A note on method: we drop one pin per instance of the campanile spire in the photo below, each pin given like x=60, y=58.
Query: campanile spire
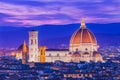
x=24, y=53
x=24, y=47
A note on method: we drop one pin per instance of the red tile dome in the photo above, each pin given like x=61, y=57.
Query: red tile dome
x=83, y=35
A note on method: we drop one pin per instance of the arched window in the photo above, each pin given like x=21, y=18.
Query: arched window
x=35, y=41
x=58, y=55
x=76, y=49
x=31, y=56
x=31, y=41
x=86, y=49
x=49, y=54
x=65, y=54
x=41, y=52
x=31, y=49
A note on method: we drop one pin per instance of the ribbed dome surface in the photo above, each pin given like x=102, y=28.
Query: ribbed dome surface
x=83, y=35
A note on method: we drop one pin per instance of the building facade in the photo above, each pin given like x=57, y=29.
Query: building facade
x=83, y=47
x=33, y=46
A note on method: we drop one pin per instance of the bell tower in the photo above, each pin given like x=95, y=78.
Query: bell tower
x=33, y=46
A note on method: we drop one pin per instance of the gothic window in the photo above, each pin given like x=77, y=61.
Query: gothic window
x=36, y=56
x=65, y=54
x=31, y=49
x=86, y=49
x=35, y=41
x=76, y=49
x=31, y=41
x=31, y=56
x=49, y=54
x=58, y=55
x=35, y=49
x=41, y=52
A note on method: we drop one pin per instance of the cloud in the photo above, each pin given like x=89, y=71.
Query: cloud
x=40, y=12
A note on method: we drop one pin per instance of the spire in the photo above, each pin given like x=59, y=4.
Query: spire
x=83, y=23
x=24, y=47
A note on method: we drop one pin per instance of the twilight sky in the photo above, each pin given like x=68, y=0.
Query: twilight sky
x=27, y=13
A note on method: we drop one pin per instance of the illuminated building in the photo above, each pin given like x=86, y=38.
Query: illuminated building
x=20, y=51
x=24, y=53
x=33, y=47
x=57, y=54
x=83, y=47
x=83, y=40
x=17, y=56
x=42, y=54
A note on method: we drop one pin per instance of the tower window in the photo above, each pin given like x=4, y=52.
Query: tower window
x=41, y=52
x=31, y=56
x=58, y=55
x=65, y=54
x=49, y=54
x=35, y=41
x=31, y=41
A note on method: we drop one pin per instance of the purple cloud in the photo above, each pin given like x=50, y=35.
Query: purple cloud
x=40, y=12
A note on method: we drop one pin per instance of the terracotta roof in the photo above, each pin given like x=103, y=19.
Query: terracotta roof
x=83, y=35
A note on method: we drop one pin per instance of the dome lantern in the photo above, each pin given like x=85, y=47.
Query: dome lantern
x=83, y=24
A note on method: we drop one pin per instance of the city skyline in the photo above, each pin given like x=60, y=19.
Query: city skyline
x=59, y=40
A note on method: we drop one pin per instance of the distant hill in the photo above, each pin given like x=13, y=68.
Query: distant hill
x=58, y=36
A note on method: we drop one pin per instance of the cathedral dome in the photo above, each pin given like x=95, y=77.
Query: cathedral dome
x=83, y=35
